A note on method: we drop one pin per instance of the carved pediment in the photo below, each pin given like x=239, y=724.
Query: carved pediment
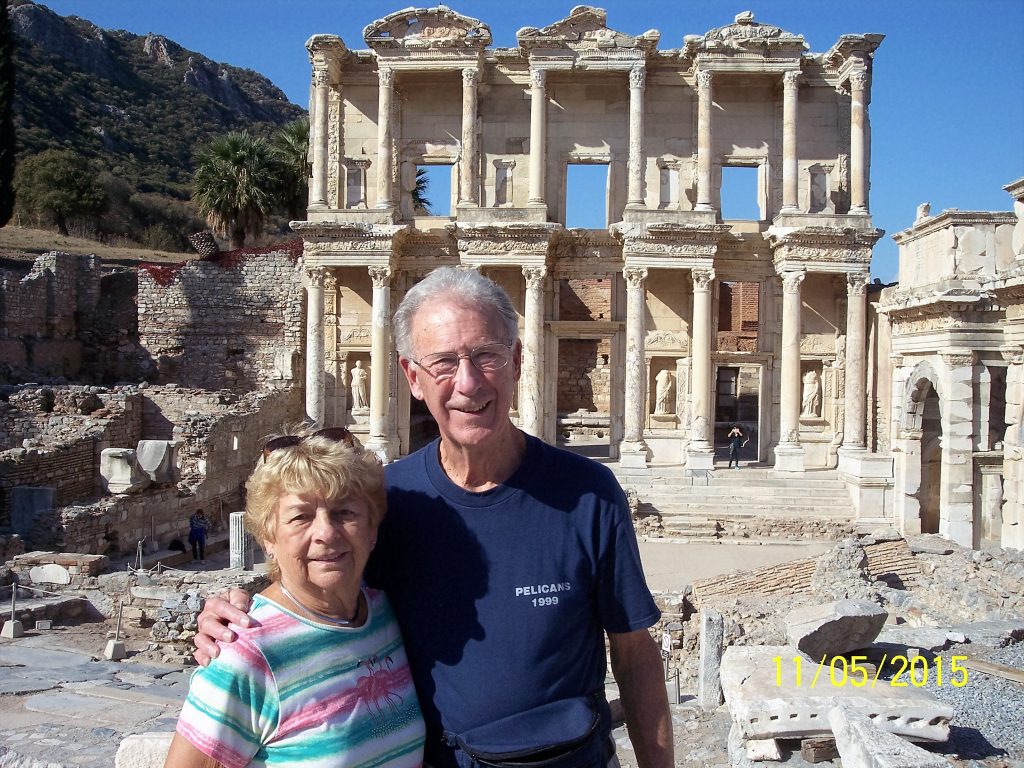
x=585, y=29
x=748, y=36
x=425, y=28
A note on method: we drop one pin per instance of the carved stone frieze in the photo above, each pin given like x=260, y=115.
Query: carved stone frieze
x=585, y=30
x=843, y=245
x=354, y=333
x=665, y=340
x=958, y=360
x=421, y=29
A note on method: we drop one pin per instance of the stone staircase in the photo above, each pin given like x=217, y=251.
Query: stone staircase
x=751, y=501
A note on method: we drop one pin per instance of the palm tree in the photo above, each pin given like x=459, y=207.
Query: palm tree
x=234, y=184
x=420, y=202
x=290, y=147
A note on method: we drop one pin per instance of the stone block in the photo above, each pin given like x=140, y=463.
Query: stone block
x=834, y=628
x=158, y=460
x=770, y=696
x=143, y=750
x=51, y=573
x=119, y=471
x=709, y=685
x=863, y=744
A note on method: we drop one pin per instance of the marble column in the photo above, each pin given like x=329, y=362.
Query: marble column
x=315, y=345
x=790, y=177
x=469, y=184
x=240, y=543
x=633, y=450
x=637, y=76
x=859, y=141
x=380, y=363
x=854, y=420
x=789, y=454
x=531, y=409
x=318, y=139
x=704, y=142
x=700, y=452
x=538, y=136
x=385, y=171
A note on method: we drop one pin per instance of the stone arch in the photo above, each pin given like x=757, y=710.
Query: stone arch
x=923, y=379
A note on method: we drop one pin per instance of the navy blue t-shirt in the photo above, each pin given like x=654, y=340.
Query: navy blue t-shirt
x=503, y=596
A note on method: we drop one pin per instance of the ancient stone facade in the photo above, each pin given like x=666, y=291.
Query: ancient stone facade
x=953, y=330
x=645, y=361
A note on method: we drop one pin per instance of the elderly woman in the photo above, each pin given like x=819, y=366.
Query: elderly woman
x=322, y=678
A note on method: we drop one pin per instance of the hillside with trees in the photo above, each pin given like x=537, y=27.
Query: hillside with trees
x=137, y=110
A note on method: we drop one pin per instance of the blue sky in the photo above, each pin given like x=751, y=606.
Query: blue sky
x=947, y=109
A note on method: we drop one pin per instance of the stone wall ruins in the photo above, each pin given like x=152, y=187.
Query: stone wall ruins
x=236, y=323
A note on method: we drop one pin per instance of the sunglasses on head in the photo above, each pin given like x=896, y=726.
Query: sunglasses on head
x=334, y=434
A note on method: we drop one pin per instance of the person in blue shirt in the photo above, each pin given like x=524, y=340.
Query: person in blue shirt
x=197, y=527
x=507, y=560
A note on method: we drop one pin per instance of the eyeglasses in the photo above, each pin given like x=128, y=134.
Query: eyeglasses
x=486, y=359
x=334, y=434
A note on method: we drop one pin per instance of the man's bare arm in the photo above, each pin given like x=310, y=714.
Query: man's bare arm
x=230, y=606
x=636, y=664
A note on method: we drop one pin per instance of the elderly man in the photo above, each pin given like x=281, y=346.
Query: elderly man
x=506, y=559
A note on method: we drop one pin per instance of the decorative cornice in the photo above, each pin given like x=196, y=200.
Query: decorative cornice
x=585, y=32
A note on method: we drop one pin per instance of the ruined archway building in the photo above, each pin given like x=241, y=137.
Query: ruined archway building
x=656, y=332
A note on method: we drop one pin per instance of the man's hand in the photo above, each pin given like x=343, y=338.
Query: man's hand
x=230, y=606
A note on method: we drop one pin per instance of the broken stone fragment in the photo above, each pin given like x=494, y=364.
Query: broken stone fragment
x=863, y=744
x=825, y=631
x=771, y=694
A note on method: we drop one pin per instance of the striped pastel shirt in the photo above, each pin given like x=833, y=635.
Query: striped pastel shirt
x=297, y=693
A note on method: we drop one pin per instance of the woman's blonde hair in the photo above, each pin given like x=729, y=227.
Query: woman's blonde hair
x=314, y=465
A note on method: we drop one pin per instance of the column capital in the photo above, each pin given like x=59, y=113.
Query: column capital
x=534, y=276
x=635, y=276
x=856, y=283
x=470, y=75
x=791, y=79
x=538, y=77
x=859, y=79
x=959, y=360
x=381, y=276
x=315, y=277
x=321, y=77
x=791, y=281
x=386, y=75
x=637, y=75
x=704, y=78
x=702, y=278
x=330, y=282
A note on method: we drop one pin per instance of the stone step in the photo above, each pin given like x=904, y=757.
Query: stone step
x=749, y=512
x=741, y=501
x=747, y=492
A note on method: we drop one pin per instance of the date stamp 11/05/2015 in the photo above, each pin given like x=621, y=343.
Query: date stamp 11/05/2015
x=856, y=672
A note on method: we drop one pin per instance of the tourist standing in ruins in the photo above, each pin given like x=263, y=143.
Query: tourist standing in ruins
x=197, y=527
x=736, y=441
x=507, y=559
x=320, y=677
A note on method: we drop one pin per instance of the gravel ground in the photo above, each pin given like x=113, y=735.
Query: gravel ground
x=989, y=710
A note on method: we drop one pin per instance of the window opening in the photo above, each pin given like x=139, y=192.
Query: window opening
x=740, y=194
x=433, y=193
x=586, y=196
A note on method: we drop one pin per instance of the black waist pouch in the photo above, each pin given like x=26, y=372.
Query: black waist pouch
x=560, y=734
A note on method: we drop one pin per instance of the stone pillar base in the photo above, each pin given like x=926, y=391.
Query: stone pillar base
x=386, y=451
x=633, y=454
x=699, y=457
x=789, y=457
